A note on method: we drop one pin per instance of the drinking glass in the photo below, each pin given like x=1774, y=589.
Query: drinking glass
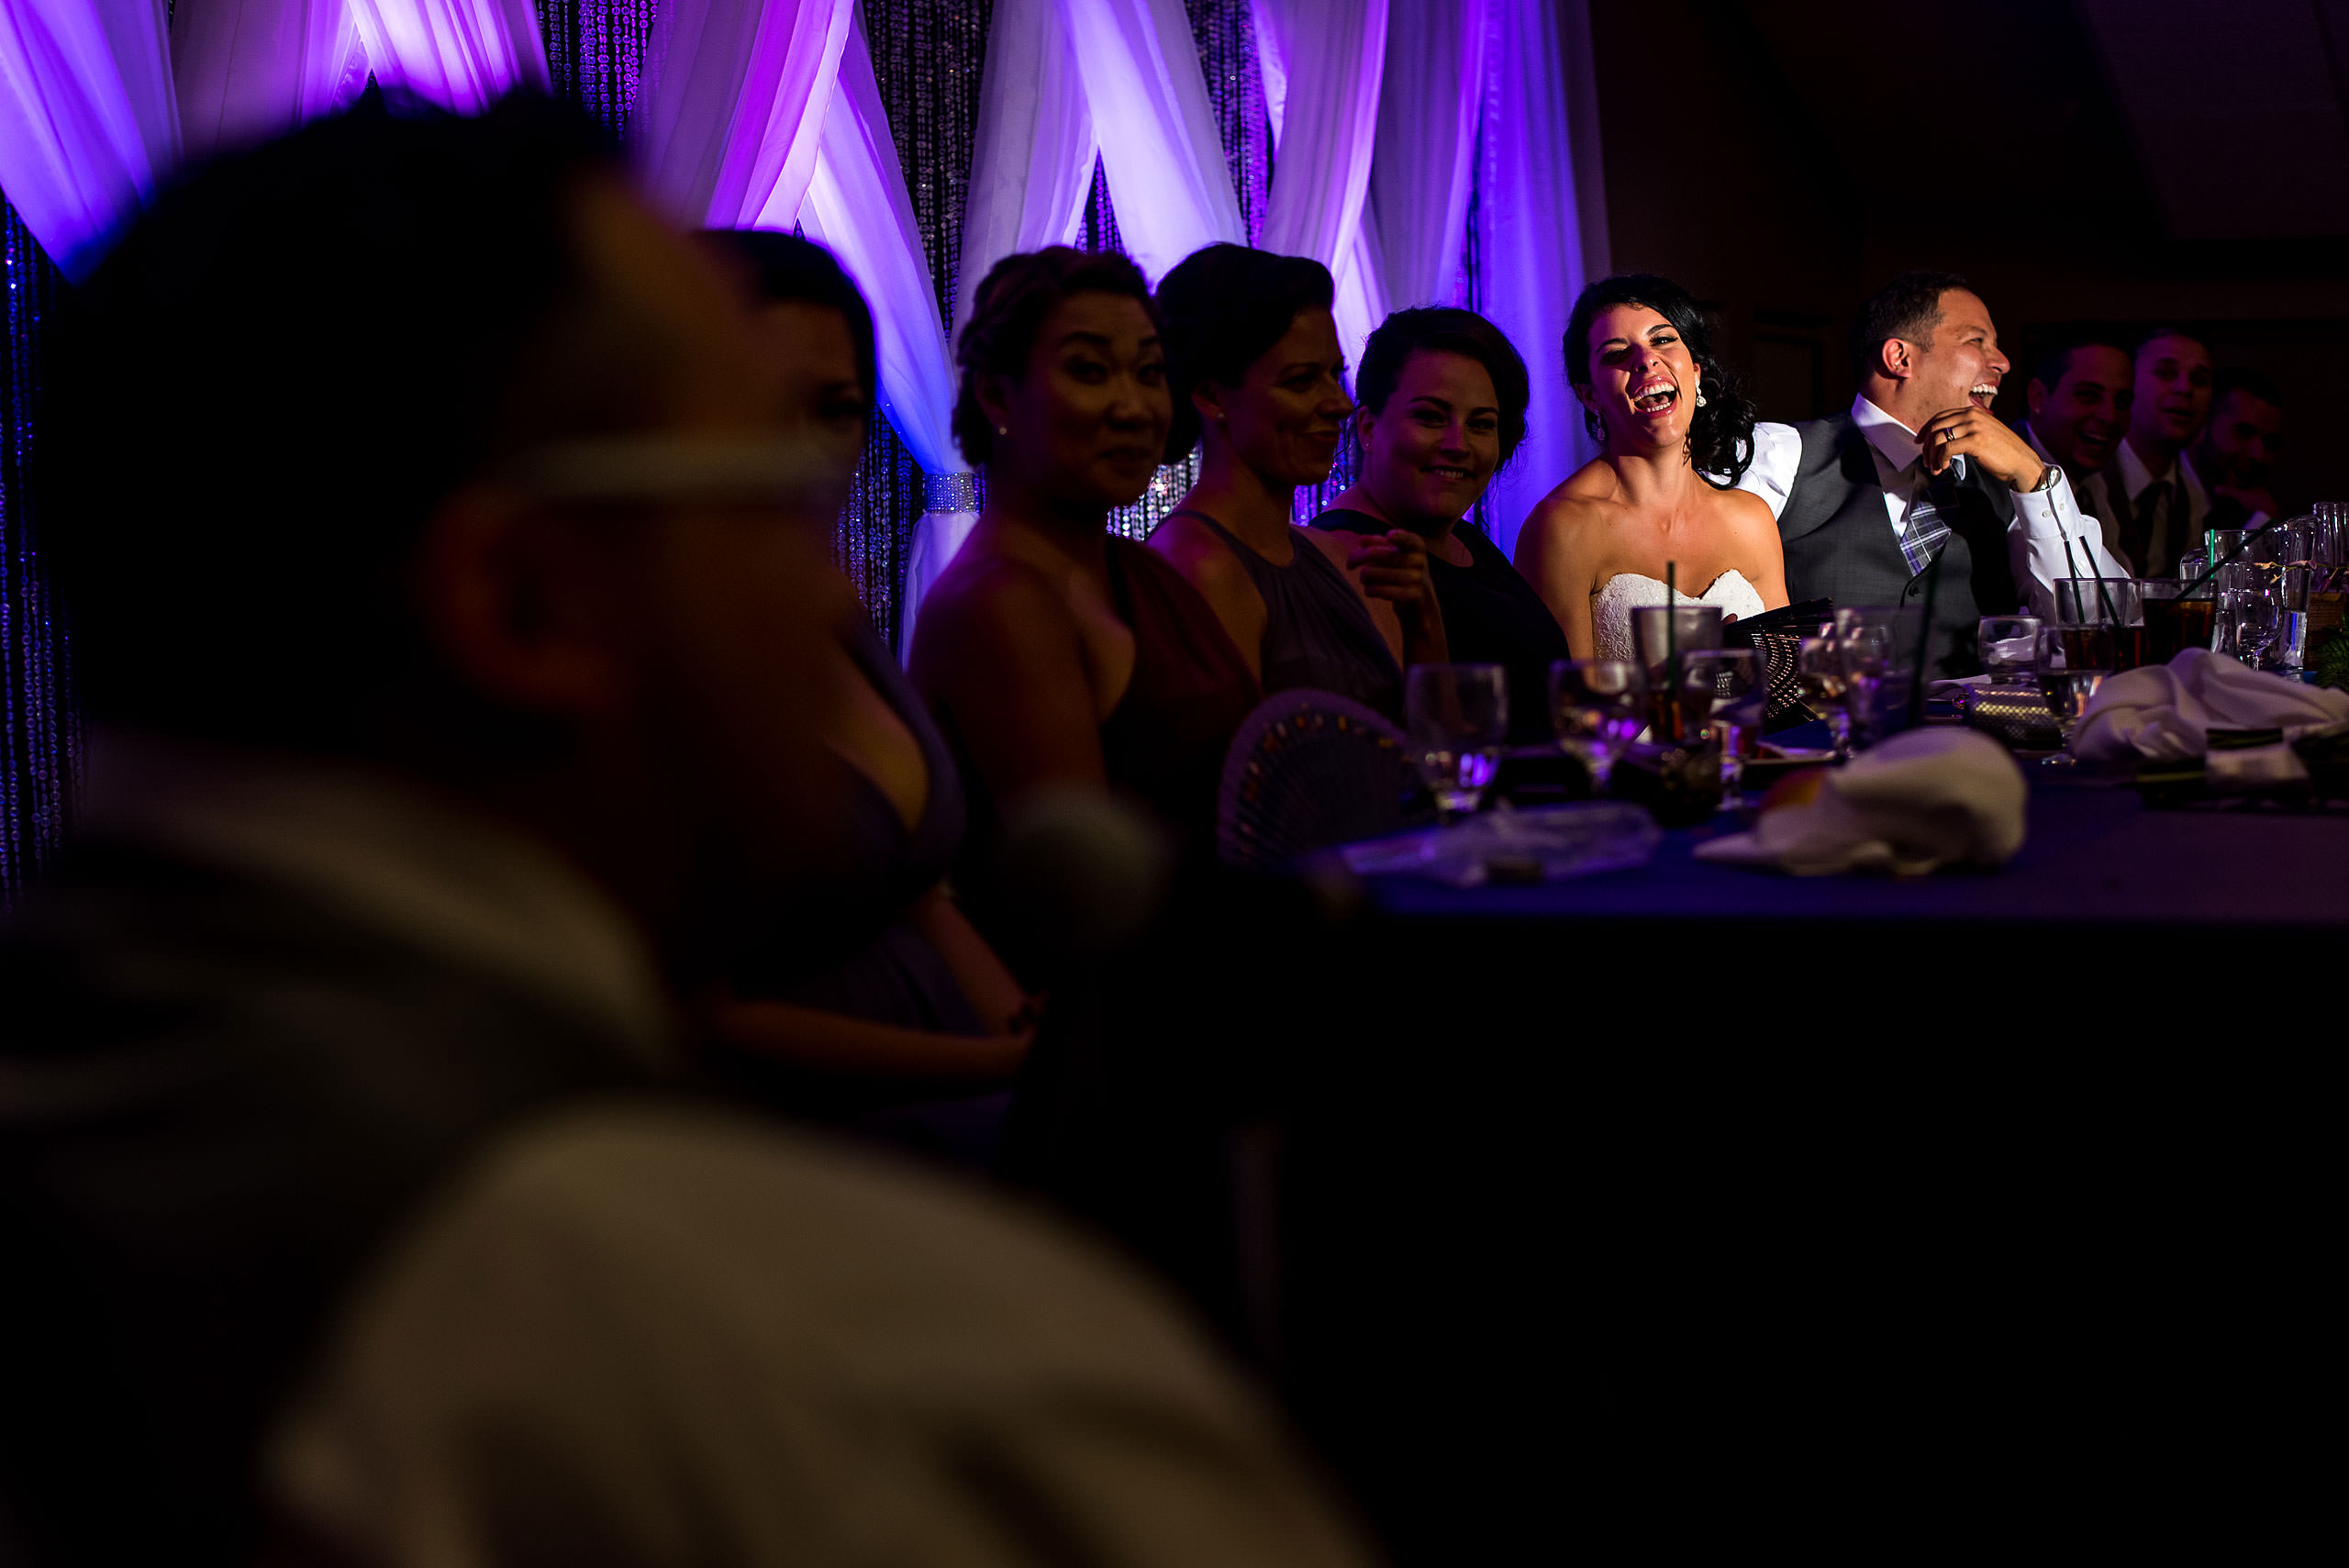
x=2291, y=647
x=1456, y=716
x=1725, y=693
x=2172, y=622
x=2257, y=616
x=1881, y=645
x=1597, y=706
x=1826, y=689
x=2010, y=646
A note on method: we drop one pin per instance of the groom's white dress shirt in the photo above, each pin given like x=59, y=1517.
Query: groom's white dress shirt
x=2045, y=519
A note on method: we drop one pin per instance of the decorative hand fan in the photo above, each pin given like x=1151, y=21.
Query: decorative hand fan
x=1309, y=770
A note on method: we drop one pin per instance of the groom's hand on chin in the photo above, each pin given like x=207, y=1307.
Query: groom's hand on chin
x=1978, y=434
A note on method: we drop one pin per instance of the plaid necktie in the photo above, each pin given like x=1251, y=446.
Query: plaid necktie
x=1927, y=529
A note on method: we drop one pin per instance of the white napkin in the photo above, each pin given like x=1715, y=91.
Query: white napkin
x=2165, y=711
x=1921, y=800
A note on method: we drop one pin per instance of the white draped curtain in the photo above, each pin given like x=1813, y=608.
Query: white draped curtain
x=96, y=103
x=249, y=70
x=89, y=121
x=1541, y=228
x=765, y=113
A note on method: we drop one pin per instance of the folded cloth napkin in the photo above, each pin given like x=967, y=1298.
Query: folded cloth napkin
x=2166, y=711
x=1921, y=800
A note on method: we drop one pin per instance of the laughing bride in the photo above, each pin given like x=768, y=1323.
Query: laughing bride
x=1674, y=437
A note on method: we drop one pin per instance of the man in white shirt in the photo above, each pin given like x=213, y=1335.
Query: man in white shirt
x=2078, y=398
x=2151, y=485
x=1919, y=494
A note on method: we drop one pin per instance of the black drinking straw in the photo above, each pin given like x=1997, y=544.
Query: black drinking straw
x=1672, y=645
x=2228, y=560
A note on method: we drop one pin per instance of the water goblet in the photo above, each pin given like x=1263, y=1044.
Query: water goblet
x=1597, y=706
x=1456, y=719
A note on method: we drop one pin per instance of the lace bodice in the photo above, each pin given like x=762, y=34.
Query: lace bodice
x=1612, y=607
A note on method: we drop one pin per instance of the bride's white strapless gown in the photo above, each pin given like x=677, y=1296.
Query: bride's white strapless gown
x=1612, y=607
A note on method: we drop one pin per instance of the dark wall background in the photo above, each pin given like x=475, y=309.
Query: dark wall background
x=2125, y=164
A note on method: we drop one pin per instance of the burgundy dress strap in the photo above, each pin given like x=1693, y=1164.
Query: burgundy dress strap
x=1166, y=739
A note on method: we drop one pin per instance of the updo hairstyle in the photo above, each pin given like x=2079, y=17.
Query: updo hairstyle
x=1222, y=308
x=1720, y=434
x=1018, y=291
x=1445, y=329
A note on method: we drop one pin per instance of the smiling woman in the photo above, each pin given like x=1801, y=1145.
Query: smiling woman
x=1658, y=502
x=1056, y=656
x=1443, y=396
x=1259, y=381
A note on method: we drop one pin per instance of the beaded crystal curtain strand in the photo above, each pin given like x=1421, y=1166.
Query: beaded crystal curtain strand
x=928, y=56
x=40, y=733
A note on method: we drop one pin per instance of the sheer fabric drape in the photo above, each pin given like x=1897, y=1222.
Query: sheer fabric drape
x=1328, y=57
x=94, y=95
x=89, y=119
x=249, y=70
x=1541, y=228
x=464, y=55
x=764, y=113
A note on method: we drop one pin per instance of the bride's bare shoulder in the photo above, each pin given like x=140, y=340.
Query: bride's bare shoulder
x=1744, y=511
x=1580, y=501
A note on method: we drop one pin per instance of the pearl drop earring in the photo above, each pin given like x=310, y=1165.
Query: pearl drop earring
x=1700, y=400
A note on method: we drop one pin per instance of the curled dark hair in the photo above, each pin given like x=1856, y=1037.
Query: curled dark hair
x=1222, y=308
x=1018, y=291
x=1444, y=329
x=784, y=269
x=1720, y=434
x=1909, y=308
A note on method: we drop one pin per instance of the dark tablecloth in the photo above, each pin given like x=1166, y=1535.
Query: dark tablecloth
x=2094, y=854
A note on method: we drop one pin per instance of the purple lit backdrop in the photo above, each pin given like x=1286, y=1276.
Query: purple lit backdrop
x=1529, y=207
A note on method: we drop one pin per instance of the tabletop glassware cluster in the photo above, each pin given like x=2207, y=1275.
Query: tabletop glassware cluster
x=2254, y=595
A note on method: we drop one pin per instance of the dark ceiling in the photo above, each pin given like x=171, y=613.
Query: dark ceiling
x=2135, y=120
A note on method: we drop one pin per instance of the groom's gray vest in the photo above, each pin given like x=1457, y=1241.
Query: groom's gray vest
x=1839, y=544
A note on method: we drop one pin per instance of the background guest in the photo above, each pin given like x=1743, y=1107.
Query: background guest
x=2237, y=451
x=1443, y=396
x=1259, y=382
x=1056, y=656
x=2079, y=398
x=1918, y=450
x=875, y=990
x=1675, y=436
x=356, y=1206
x=2151, y=482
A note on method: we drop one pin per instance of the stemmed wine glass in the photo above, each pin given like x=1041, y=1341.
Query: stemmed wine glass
x=1596, y=708
x=1825, y=687
x=1457, y=719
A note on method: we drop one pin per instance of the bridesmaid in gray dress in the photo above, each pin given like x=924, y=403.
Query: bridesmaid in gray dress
x=1254, y=362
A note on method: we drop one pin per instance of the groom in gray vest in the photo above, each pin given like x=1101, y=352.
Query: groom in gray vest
x=1918, y=494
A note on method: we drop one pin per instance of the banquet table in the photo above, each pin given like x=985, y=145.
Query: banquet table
x=1682, y=1205
x=2093, y=857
